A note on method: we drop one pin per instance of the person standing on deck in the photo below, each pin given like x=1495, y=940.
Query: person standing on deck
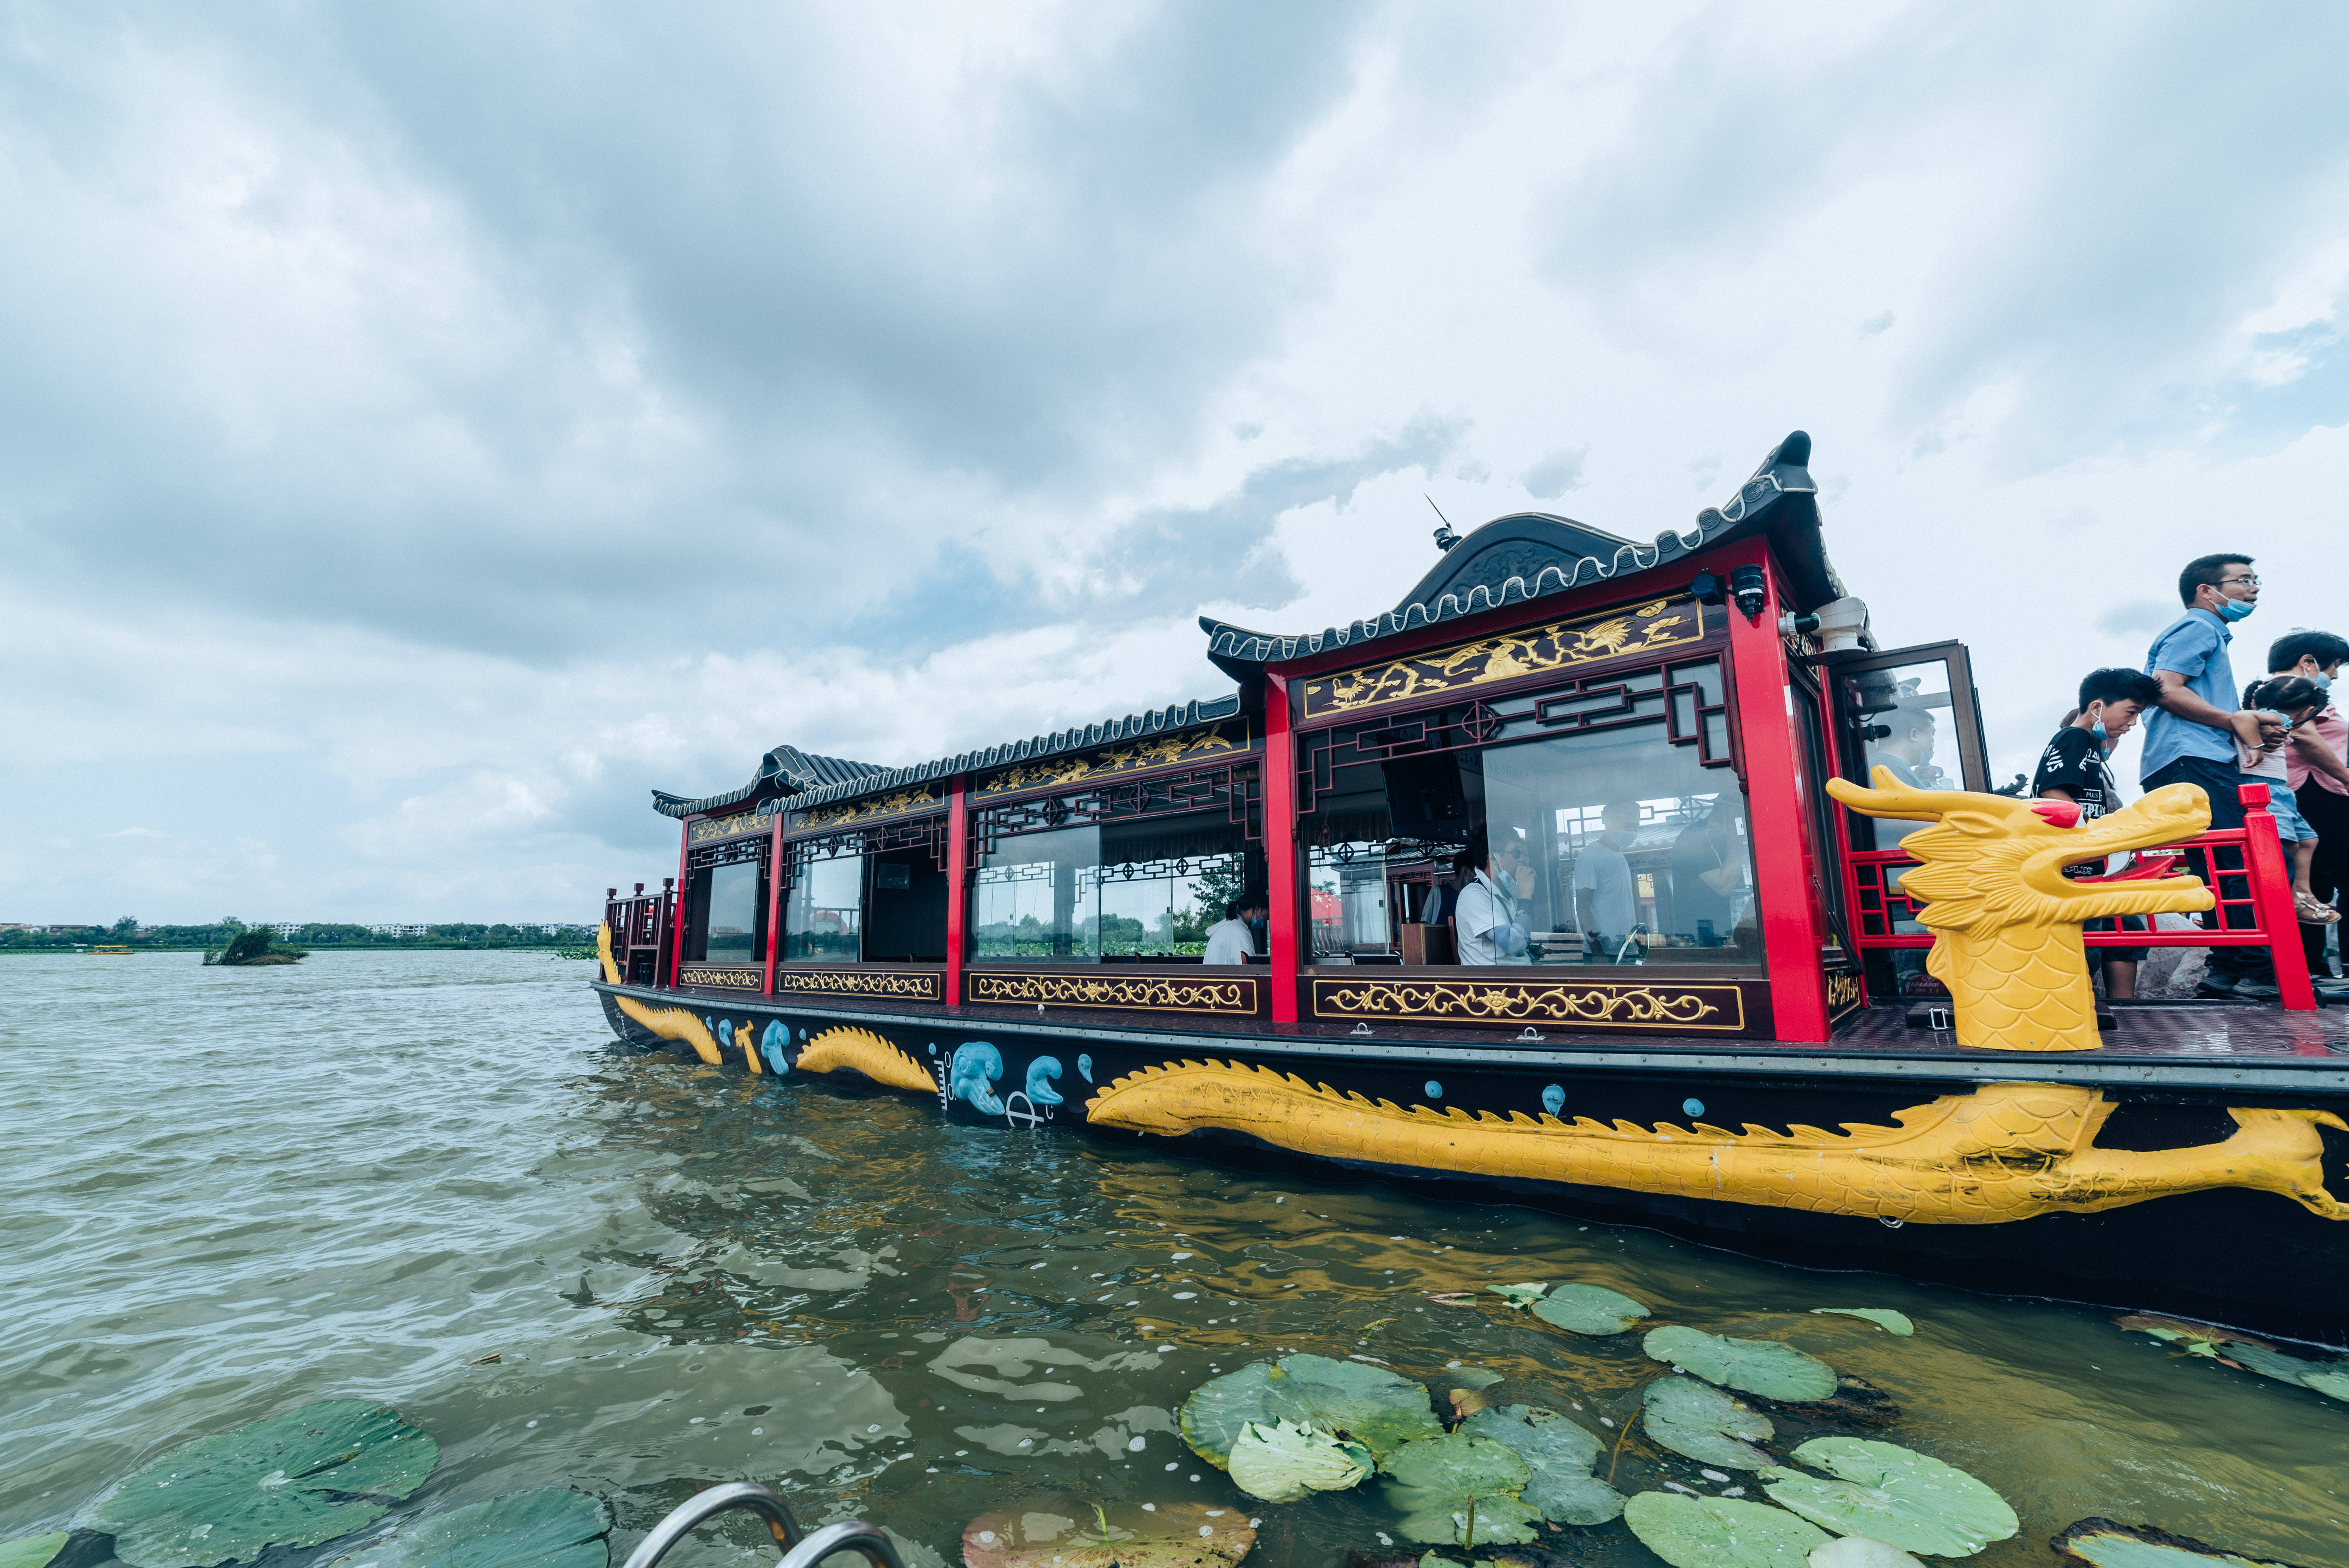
x=2074, y=768
x=2190, y=735
x=1232, y=940
x=1485, y=921
x=1606, y=898
x=2319, y=784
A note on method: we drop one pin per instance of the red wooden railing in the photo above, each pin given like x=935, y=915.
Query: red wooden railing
x=2247, y=873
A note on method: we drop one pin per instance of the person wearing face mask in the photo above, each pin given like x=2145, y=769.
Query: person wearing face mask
x=2074, y=767
x=1484, y=922
x=2314, y=770
x=1232, y=940
x=2190, y=735
x=1606, y=898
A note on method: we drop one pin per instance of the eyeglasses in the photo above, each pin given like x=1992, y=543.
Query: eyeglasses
x=2251, y=580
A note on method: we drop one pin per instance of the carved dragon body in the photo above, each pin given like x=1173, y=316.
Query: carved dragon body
x=2006, y=920
x=2006, y=1151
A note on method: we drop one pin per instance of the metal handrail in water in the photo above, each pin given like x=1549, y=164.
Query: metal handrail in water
x=799, y=1550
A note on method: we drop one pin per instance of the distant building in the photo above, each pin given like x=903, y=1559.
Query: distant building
x=287, y=928
x=401, y=930
x=69, y=930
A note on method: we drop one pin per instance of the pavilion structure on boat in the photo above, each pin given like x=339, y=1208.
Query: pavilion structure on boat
x=1645, y=729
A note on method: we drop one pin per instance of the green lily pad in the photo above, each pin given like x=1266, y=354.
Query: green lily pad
x=289, y=1480
x=1057, y=1532
x=1860, y=1552
x=1519, y=1296
x=1285, y=1462
x=2330, y=1378
x=1471, y=1377
x=2332, y=1385
x=1720, y=1532
x=1349, y=1399
x=1704, y=1424
x=1449, y=1487
x=2105, y=1543
x=550, y=1527
x=1895, y=1495
x=1764, y=1367
x=1560, y=1452
x=1884, y=1317
x=1589, y=1309
x=33, y=1551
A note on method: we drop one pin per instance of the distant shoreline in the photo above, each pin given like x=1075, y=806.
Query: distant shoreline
x=137, y=949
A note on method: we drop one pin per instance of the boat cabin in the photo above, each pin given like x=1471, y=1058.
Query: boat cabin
x=1632, y=737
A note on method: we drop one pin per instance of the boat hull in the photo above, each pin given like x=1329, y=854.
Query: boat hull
x=2179, y=1189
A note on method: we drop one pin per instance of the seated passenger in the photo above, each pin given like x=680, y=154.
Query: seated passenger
x=1707, y=870
x=1606, y=899
x=1486, y=927
x=1232, y=940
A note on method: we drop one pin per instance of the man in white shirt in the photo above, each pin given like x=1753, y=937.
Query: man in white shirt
x=1606, y=905
x=1230, y=940
x=1485, y=921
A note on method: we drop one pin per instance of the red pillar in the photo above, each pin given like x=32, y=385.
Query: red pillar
x=1280, y=848
x=1791, y=936
x=775, y=901
x=2271, y=894
x=684, y=896
x=957, y=882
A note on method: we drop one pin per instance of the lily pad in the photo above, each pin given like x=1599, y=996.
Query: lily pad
x=1589, y=1309
x=1458, y=1490
x=1285, y=1462
x=1560, y=1452
x=550, y=1527
x=1764, y=1367
x=1519, y=1296
x=1895, y=1495
x=1718, y=1533
x=2330, y=1378
x=2105, y=1543
x=1472, y=1377
x=1860, y=1552
x=33, y=1551
x=1884, y=1317
x=1351, y=1399
x=295, y=1480
x=1704, y=1424
x=1058, y=1533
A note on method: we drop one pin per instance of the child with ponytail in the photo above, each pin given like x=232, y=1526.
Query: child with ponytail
x=2293, y=701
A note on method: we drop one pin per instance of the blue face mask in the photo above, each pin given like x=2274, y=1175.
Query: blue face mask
x=2097, y=730
x=2235, y=609
x=2322, y=680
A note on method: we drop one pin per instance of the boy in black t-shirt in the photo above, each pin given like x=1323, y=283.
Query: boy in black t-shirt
x=2074, y=768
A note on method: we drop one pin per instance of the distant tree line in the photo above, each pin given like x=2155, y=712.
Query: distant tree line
x=129, y=932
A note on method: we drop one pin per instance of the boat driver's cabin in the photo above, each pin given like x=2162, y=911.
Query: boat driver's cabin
x=1632, y=737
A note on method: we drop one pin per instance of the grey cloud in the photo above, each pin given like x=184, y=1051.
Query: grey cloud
x=1555, y=474
x=2137, y=616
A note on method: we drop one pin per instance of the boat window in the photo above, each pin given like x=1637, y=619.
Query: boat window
x=826, y=918
x=722, y=925
x=1109, y=893
x=1627, y=821
x=1909, y=711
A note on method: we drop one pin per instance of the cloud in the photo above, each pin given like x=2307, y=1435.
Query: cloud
x=1555, y=474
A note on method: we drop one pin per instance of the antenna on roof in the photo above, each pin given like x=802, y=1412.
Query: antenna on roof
x=1444, y=538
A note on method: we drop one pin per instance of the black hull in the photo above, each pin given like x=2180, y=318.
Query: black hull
x=2039, y=1217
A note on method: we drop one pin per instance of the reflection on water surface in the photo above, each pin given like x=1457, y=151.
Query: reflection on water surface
x=233, y=1192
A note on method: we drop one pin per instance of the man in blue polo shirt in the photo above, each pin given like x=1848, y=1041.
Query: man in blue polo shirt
x=2190, y=738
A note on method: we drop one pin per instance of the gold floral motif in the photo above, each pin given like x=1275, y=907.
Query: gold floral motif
x=852, y=811
x=920, y=984
x=1138, y=993
x=1164, y=752
x=1843, y=992
x=709, y=829
x=1708, y=1008
x=723, y=979
x=1662, y=623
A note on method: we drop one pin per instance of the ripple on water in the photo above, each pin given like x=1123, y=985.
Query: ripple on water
x=364, y=1175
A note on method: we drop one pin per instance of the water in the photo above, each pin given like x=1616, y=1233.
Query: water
x=230, y=1193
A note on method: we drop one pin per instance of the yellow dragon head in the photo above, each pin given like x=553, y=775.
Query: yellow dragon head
x=1992, y=861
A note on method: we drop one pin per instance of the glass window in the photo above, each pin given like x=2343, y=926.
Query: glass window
x=1123, y=892
x=826, y=913
x=730, y=916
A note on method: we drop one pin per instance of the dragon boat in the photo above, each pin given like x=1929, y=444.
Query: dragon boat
x=1794, y=980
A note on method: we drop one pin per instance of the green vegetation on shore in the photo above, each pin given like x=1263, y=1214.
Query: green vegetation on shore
x=129, y=932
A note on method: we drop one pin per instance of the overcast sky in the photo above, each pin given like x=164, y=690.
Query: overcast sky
x=429, y=427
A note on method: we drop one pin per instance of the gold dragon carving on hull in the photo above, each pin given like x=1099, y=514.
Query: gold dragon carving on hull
x=670, y=1022
x=2006, y=1151
x=2004, y=917
x=867, y=1053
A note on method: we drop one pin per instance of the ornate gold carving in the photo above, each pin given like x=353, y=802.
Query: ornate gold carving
x=847, y=814
x=1229, y=738
x=860, y=1050
x=1843, y=992
x=920, y=986
x=2006, y=1151
x=1597, y=1004
x=673, y=1024
x=610, y=966
x=1131, y=993
x=709, y=829
x=723, y=978
x=1661, y=624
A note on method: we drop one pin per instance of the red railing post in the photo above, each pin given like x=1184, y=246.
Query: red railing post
x=1280, y=849
x=676, y=929
x=957, y=884
x=2272, y=896
x=774, y=902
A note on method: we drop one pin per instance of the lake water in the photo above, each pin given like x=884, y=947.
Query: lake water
x=230, y=1193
